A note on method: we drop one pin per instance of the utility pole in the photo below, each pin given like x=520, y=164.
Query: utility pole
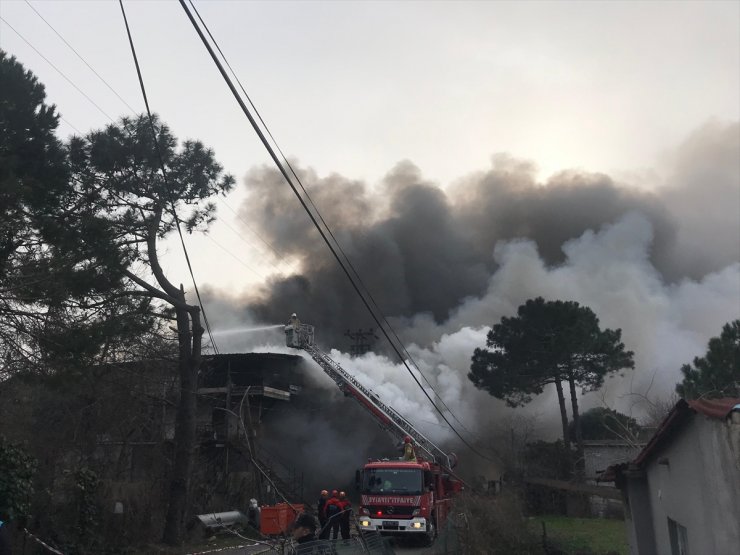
x=362, y=341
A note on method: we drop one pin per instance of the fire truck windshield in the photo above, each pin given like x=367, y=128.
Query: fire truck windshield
x=392, y=480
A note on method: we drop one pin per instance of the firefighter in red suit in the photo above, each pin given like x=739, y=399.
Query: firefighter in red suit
x=333, y=514
x=345, y=516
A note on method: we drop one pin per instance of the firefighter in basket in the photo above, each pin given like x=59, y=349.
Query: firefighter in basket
x=408, y=449
x=292, y=332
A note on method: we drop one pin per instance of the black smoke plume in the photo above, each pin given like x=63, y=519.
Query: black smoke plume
x=423, y=249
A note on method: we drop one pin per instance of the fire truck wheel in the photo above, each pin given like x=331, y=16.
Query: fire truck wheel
x=431, y=532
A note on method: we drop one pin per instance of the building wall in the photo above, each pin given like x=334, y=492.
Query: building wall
x=722, y=497
x=598, y=456
x=699, y=489
x=639, y=516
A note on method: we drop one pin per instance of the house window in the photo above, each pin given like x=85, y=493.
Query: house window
x=679, y=538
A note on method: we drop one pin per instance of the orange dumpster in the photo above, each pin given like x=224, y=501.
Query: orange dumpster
x=276, y=520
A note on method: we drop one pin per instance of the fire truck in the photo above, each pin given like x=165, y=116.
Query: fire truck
x=398, y=497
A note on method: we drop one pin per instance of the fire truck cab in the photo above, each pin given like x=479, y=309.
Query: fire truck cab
x=405, y=498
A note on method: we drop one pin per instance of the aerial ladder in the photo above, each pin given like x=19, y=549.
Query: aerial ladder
x=301, y=336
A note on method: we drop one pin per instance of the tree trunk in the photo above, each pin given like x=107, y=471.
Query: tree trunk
x=185, y=440
x=563, y=413
x=580, y=460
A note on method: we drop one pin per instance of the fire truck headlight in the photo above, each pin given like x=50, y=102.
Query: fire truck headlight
x=416, y=512
x=416, y=525
x=364, y=523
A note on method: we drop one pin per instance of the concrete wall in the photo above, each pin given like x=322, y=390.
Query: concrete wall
x=638, y=516
x=722, y=496
x=598, y=456
x=699, y=488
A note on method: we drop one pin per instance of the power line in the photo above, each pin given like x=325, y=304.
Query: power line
x=305, y=192
x=287, y=177
x=81, y=58
x=239, y=260
x=250, y=244
x=164, y=174
x=57, y=69
x=134, y=111
x=72, y=126
x=336, y=242
x=267, y=243
x=334, y=238
x=249, y=99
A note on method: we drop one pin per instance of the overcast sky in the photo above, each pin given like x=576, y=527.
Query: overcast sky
x=355, y=87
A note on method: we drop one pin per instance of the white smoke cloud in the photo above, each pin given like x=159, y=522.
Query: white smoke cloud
x=608, y=270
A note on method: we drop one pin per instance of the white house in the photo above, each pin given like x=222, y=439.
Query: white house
x=681, y=494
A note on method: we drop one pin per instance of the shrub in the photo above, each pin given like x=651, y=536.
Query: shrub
x=488, y=525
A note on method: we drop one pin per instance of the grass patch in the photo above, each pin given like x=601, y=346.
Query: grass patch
x=596, y=536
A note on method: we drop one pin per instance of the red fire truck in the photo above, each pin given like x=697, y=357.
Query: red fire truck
x=399, y=497
x=406, y=497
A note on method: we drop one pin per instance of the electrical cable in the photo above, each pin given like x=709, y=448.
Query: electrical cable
x=134, y=111
x=342, y=251
x=249, y=244
x=57, y=69
x=249, y=99
x=74, y=128
x=239, y=260
x=70, y=125
x=81, y=58
x=164, y=174
x=287, y=177
x=267, y=243
x=336, y=242
x=66, y=121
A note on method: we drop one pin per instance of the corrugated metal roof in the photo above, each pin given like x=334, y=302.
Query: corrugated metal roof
x=718, y=409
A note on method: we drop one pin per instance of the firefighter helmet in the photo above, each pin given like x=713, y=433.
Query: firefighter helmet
x=407, y=439
x=324, y=492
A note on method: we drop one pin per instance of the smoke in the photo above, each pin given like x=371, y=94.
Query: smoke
x=446, y=264
x=420, y=248
x=327, y=434
x=703, y=195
